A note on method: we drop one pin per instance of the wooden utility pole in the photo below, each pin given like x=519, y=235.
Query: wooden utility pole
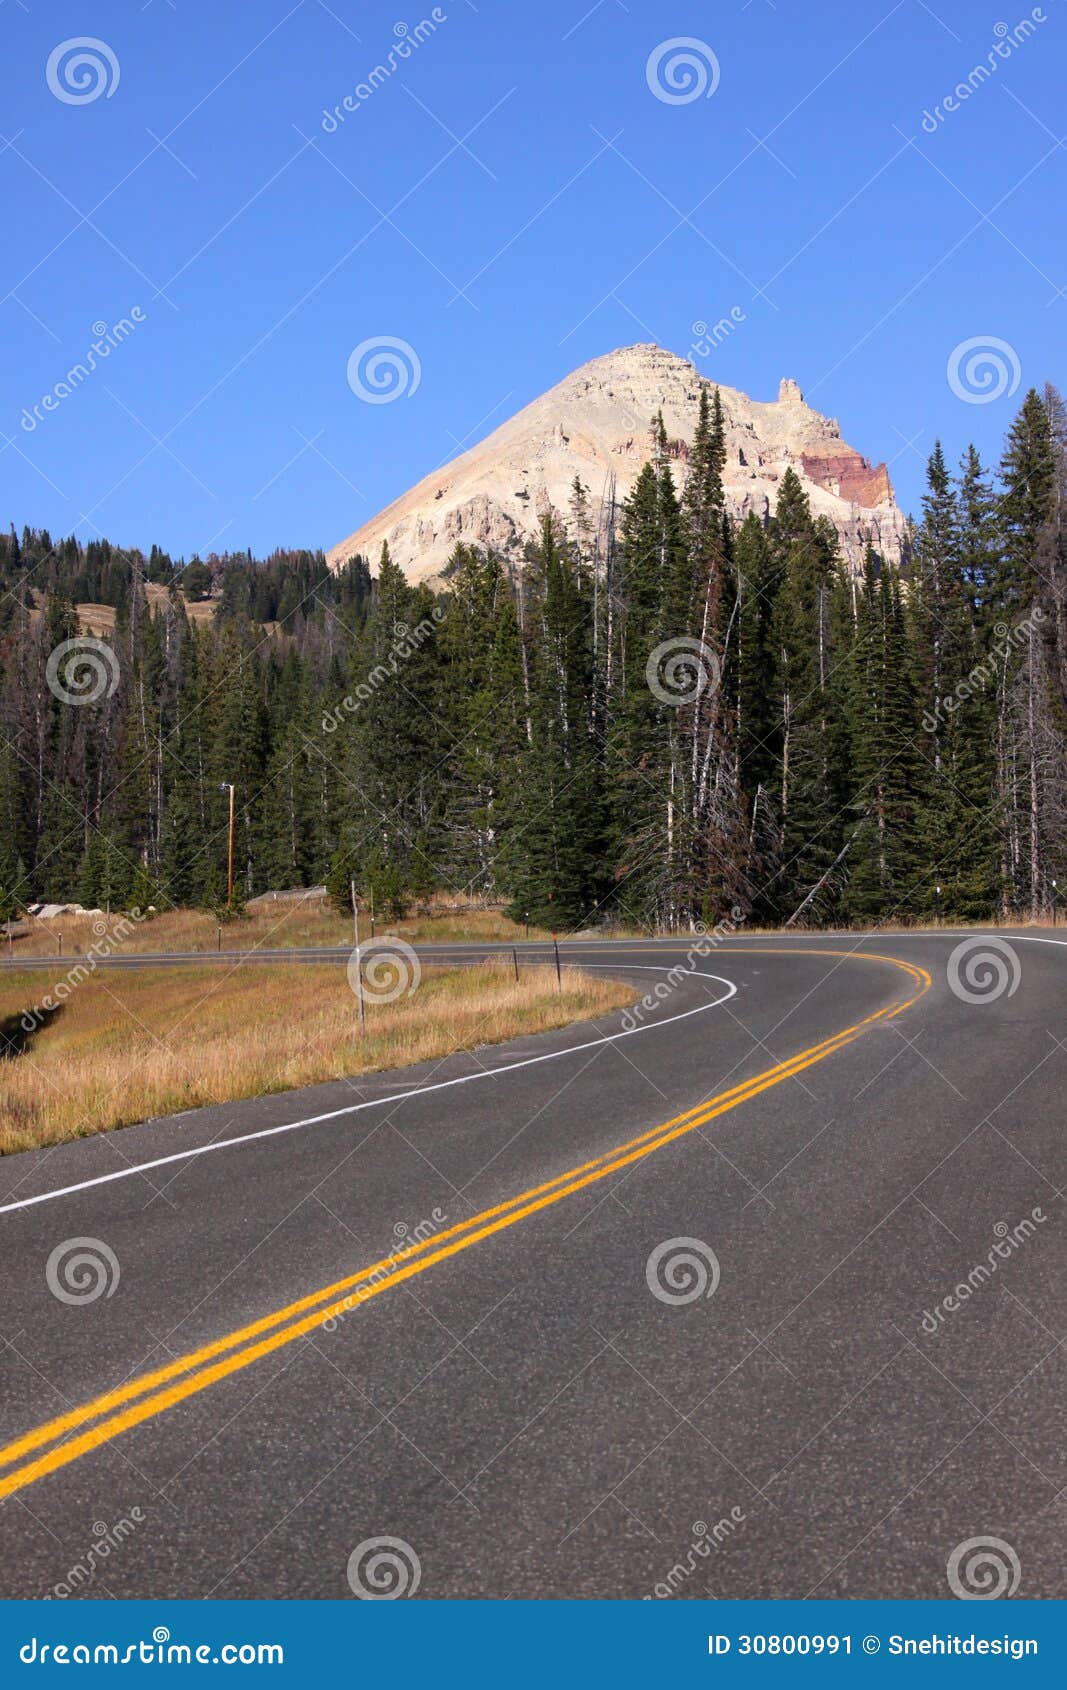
x=229, y=866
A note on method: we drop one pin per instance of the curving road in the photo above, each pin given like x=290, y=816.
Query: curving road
x=667, y=1308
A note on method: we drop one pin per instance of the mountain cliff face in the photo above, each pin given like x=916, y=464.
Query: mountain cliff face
x=595, y=424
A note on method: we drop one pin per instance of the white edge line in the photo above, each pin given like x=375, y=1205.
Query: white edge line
x=396, y=1097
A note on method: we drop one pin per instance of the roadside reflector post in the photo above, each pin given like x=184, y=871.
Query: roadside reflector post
x=220, y=938
x=559, y=976
x=60, y=938
x=359, y=966
x=515, y=960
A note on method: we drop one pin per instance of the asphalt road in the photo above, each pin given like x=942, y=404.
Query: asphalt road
x=526, y=1395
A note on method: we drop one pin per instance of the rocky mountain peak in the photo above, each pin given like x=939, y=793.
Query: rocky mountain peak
x=595, y=424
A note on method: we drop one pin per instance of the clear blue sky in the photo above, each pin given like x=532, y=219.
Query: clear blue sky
x=519, y=154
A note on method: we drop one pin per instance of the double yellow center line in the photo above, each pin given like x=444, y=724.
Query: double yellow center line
x=76, y=1433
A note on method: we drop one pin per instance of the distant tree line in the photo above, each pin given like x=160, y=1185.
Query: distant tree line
x=663, y=715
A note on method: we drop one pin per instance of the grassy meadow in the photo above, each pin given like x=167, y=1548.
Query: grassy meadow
x=265, y=926
x=127, y=1046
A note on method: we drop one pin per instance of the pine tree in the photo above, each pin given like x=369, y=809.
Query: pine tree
x=885, y=859
x=556, y=854
x=1028, y=473
x=803, y=553
x=758, y=724
x=977, y=538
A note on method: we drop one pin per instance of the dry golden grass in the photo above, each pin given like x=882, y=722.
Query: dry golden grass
x=265, y=927
x=197, y=610
x=129, y=1046
x=99, y=619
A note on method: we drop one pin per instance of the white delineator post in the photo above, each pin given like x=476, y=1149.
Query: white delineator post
x=359, y=959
